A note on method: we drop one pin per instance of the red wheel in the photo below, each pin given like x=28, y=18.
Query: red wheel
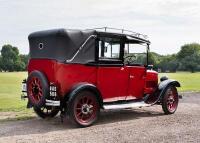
x=170, y=100
x=37, y=89
x=84, y=109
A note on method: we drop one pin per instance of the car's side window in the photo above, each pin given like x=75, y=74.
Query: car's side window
x=135, y=54
x=109, y=48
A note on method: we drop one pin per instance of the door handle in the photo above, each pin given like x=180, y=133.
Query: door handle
x=131, y=76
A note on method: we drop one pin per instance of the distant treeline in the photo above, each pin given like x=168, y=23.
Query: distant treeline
x=187, y=59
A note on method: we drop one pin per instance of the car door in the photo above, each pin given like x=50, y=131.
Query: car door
x=137, y=82
x=112, y=76
x=137, y=70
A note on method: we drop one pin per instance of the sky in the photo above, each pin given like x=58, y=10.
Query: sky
x=169, y=24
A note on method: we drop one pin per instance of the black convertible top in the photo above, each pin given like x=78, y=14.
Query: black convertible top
x=63, y=44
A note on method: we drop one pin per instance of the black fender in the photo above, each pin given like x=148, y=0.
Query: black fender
x=162, y=87
x=84, y=86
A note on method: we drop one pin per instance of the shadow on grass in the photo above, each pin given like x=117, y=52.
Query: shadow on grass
x=37, y=125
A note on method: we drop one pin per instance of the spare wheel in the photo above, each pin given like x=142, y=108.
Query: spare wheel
x=37, y=89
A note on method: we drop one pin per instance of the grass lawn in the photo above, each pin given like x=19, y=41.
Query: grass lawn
x=188, y=81
x=10, y=91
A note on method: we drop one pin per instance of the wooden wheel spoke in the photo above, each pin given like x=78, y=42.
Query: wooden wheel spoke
x=89, y=101
x=82, y=116
x=78, y=114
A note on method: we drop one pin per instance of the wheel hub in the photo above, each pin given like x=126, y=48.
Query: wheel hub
x=35, y=90
x=85, y=109
x=171, y=99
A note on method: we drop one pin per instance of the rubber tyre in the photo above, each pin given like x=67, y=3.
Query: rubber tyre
x=43, y=83
x=170, y=94
x=42, y=114
x=75, y=102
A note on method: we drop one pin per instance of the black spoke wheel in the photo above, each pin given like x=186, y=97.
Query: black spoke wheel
x=46, y=112
x=84, y=109
x=170, y=100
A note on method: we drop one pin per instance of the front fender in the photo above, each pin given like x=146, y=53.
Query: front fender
x=162, y=87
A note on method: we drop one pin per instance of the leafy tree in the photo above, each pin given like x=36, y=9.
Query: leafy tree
x=191, y=62
x=10, y=59
x=1, y=64
x=19, y=66
x=167, y=63
x=154, y=59
x=188, y=50
x=189, y=57
x=24, y=59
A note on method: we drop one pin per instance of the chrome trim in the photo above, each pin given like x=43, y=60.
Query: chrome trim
x=122, y=31
x=81, y=47
x=126, y=105
x=40, y=46
x=52, y=103
x=114, y=99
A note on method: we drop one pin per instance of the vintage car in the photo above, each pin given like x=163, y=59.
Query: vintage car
x=79, y=72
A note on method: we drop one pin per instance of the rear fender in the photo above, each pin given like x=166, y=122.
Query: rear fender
x=84, y=86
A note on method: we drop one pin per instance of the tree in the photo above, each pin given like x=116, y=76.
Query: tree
x=24, y=59
x=191, y=62
x=189, y=57
x=10, y=59
x=154, y=59
x=1, y=63
x=188, y=50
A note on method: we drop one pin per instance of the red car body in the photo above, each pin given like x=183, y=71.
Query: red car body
x=122, y=83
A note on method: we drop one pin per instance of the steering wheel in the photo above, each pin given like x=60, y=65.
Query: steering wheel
x=130, y=58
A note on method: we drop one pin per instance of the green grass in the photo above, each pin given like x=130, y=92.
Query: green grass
x=10, y=91
x=188, y=81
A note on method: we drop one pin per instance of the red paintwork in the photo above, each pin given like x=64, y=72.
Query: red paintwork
x=64, y=75
x=114, y=83
x=151, y=83
x=136, y=81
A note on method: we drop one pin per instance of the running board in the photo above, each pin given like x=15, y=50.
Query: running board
x=126, y=105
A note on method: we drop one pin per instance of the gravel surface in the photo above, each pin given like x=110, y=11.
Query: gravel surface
x=137, y=125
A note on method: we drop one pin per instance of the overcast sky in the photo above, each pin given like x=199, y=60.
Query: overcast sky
x=168, y=23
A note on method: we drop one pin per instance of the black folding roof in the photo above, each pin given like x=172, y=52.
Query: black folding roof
x=63, y=44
